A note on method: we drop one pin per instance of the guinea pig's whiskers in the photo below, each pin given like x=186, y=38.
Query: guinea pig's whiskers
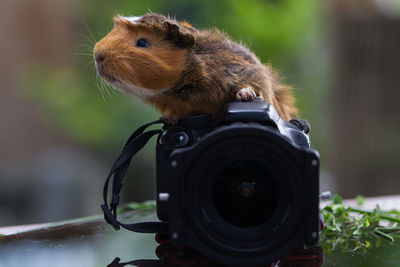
x=100, y=85
x=86, y=46
x=103, y=90
x=85, y=50
x=108, y=90
x=90, y=32
x=98, y=82
x=92, y=39
x=90, y=62
x=106, y=93
x=83, y=54
x=92, y=42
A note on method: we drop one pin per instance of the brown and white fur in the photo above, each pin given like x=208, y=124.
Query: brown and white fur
x=185, y=71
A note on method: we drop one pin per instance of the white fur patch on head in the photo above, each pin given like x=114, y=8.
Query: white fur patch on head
x=132, y=19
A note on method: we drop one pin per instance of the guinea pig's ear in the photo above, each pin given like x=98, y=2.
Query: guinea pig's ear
x=179, y=34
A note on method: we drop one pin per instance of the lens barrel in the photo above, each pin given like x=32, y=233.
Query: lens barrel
x=243, y=194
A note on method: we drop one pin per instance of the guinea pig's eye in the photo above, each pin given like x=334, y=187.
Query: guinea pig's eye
x=142, y=43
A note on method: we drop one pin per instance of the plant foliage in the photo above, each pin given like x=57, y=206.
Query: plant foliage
x=352, y=228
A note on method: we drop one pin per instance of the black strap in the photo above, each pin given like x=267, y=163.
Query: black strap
x=135, y=143
x=140, y=263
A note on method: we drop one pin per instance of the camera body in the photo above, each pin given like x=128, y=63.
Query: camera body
x=242, y=189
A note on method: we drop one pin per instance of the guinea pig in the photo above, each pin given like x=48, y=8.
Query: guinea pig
x=183, y=71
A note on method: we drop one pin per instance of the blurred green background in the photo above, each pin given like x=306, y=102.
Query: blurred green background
x=62, y=129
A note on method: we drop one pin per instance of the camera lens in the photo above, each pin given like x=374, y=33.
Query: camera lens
x=242, y=195
x=245, y=194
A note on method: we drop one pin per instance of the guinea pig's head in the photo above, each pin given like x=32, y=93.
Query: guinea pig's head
x=144, y=55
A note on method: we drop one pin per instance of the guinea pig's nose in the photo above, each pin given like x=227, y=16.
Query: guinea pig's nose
x=100, y=57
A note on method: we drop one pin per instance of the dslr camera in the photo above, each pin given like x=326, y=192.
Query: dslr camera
x=242, y=189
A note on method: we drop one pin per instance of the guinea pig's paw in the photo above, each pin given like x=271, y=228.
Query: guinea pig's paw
x=245, y=94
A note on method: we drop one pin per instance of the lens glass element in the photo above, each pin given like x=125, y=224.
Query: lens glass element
x=245, y=194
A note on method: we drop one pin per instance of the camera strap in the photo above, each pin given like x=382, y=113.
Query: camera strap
x=136, y=142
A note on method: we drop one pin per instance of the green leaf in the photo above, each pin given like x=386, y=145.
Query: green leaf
x=337, y=199
x=379, y=231
x=358, y=231
x=360, y=200
x=353, y=229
